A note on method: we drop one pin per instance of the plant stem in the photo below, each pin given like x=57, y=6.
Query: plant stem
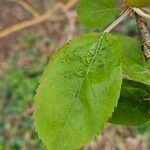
x=36, y=20
x=26, y=6
x=118, y=21
x=145, y=35
x=141, y=13
x=25, y=24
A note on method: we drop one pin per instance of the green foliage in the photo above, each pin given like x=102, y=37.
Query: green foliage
x=148, y=65
x=134, y=65
x=131, y=50
x=87, y=75
x=17, y=90
x=134, y=104
x=81, y=85
x=28, y=40
x=96, y=14
x=19, y=87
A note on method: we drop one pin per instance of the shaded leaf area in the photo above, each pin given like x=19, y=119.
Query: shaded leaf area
x=78, y=92
x=97, y=13
x=134, y=104
x=134, y=64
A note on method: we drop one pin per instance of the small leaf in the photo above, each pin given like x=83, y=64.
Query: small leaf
x=134, y=104
x=96, y=14
x=78, y=91
x=134, y=65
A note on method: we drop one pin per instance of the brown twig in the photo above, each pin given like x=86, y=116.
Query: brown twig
x=70, y=4
x=26, y=6
x=146, y=10
x=36, y=20
x=140, y=12
x=24, y=24
x=145, y=35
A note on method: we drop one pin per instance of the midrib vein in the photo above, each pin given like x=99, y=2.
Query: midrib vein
x=88, y=70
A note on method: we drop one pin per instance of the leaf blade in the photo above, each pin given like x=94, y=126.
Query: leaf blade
x=85, y=74
x=96, y=14
x=134, y=104
x=134, y=65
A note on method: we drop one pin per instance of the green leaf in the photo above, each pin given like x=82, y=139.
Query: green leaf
x=148, y=64
x=96, y=13
x=147, y=123
x=78, y=91
x=134, y=104
x=134, y=65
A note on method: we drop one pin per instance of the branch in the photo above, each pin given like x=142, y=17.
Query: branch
x=146, y=9
x=26, y=6
x=24, y=24
x=141, y=13
x=35, y=21
x=145, y=35
x=70, y=4
x=119, y=20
